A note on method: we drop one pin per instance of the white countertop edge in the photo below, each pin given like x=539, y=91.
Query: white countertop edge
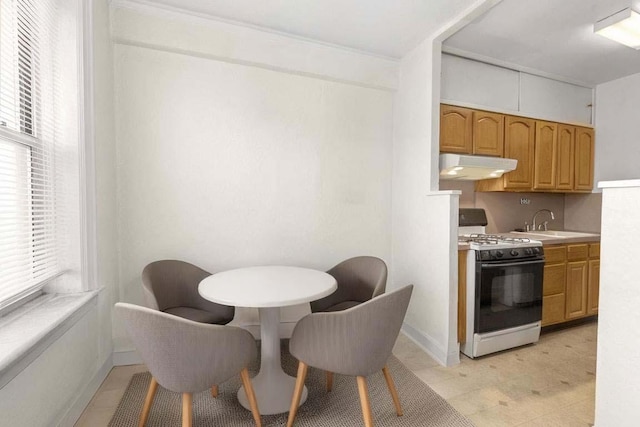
x=625, y=183
x=444, y=193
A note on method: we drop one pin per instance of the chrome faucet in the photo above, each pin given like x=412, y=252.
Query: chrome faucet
x=533, y=221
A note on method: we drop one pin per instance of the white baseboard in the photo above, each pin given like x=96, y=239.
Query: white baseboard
x=126, y=357
x=429, y=346
x=69, y=418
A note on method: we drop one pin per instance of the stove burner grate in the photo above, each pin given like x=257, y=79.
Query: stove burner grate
x=492, y=239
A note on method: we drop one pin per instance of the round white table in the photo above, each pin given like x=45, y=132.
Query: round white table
x=268, y=288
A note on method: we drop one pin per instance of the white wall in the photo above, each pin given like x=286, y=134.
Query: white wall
x=138, y=25
x=228, y=165
x=486, y=86
x=424, y=220
x=474, y=82
x=105, y=172
x=422, y=233
x=618, y=369
x=617, y=130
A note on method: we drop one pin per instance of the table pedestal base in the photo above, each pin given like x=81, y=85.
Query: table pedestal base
x=273, y=393
x=273, y=388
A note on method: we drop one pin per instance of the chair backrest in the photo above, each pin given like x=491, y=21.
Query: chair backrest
x=186, y=356
x=357, y=341
x=359, y=279
x=173, y=283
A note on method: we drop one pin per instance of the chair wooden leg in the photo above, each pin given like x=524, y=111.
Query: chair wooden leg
x=251, y=396
x=364, y=401
x=214, y=391
x=297, y=392
x=148, y=401
x=392, y=390
x=187, y=405
x=329, y=381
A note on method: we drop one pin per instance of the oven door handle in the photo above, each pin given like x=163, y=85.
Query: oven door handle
x=513, y=264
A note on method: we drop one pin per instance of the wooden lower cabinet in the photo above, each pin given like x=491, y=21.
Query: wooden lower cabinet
x=576, y=291
x=554, y=282
x=571, y=282
x=553, y=309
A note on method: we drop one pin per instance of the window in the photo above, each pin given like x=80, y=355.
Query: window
x=29, y=210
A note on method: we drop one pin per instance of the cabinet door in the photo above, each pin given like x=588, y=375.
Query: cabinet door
x=488, y=133
x=576, y=290
x=518, y=144
x=546, y=156
x=584, y=159
x=594, y=286
x=553, y=291
x=566, y=157
x=594, y=250
x=455, y=129
x=553, y=309
x=577, y=251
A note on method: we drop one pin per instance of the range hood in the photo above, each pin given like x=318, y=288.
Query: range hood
x=472, y=168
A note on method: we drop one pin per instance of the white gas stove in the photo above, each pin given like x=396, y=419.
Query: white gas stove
x=481, y=241
x=504, y=287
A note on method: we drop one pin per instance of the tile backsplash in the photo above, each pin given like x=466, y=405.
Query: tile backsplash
x=580, y=212
x=583, y=212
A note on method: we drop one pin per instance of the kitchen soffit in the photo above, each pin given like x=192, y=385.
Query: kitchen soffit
x=555, y=37
x=381, y=27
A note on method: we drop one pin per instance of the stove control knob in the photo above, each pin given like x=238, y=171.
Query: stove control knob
x=514, y=252
x=499, y=254
x=536, y=250
x=528, y=251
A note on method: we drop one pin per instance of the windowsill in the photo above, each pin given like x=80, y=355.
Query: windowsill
x=28, y=331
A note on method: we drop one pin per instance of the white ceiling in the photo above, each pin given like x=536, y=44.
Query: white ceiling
x=384, y=27
x=553, y=36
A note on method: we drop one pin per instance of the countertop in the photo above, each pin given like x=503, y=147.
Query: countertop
x=554, y=240
x=546, y=240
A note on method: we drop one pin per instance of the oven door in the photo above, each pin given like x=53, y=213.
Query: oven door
x=508, y=294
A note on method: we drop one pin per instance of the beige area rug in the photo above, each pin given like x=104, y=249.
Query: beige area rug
x=341, y=407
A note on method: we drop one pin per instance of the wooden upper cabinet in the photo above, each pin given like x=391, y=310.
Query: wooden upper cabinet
x=585, y=149
x=566, y=157
x=546, y=156
x=519, y=144
x=488, y=133
x=552, y=157
x=456, y=126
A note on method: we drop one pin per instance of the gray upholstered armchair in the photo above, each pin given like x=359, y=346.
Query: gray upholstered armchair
x=359, y=279
x=172, y=286
x=187, y=357
x=357, y=342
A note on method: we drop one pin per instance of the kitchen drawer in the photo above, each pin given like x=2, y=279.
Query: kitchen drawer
x=577, y=252
x=594, y=250
x=554, y=279
x=553, y=254
x=552, y=309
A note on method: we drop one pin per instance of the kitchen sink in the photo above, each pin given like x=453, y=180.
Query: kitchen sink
x=557, y=233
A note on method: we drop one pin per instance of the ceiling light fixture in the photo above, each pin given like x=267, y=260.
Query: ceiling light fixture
x=622, y=27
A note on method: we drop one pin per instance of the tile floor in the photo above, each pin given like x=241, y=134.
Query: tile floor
x=548, y=384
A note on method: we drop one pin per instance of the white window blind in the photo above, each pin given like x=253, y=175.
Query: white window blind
x=28, y=210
